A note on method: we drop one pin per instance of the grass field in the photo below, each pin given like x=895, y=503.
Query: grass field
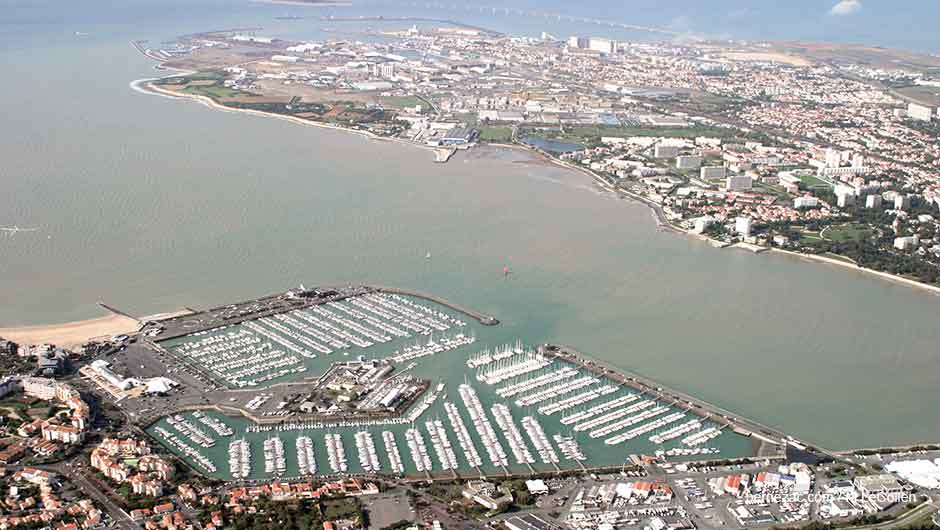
x=926, y=95
x=810, y=236
x=215, y=92
x=846, y=232
x=399, y=102
x=812, y=182
x=495, y=133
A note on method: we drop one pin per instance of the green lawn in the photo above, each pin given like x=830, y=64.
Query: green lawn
x=847, y=232
x=215, y=92
x=495, y=133
x=812, y=182
x=809, y=235
x=400, y=102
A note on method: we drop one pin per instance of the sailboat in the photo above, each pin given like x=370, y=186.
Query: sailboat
x=428, y=255
x=506, y=271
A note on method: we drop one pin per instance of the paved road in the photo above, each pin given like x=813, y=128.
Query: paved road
x=911, y=516
x=77, y=476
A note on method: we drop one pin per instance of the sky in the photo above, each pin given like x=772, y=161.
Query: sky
x=907, y=24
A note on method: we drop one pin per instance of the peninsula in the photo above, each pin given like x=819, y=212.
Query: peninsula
x=827, y=152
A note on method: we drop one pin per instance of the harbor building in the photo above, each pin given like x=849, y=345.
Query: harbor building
x=487, y=495
x=883, y=486
x=459, y=136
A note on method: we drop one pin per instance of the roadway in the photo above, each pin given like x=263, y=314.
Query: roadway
x=78, y=475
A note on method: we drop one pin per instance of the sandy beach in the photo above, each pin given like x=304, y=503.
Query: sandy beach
x=72, y=334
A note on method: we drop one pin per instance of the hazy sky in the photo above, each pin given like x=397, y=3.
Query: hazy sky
x=909, y=24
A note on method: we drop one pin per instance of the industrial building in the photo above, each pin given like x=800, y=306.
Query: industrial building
x=920, y=112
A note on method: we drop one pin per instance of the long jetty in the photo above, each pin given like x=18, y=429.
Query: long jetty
x=282, y=303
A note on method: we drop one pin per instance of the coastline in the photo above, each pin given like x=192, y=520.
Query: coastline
x=72, y=334
x=663, y=223
x=145, y=86
x=933, y=289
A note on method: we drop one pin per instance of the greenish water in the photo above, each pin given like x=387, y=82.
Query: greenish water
x=152, y=204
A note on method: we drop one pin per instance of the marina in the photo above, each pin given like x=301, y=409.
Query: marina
x=215, y=424
x=569, y=448
x=239, y=459
x=598, y=409
x=368, y=458
x=643, y=429
x=244, y=352
x=483, y=407
x=200, y=460
x=520, y=451
x=628, y=421
x=576, y=400
x=306, y=459
x=336, y=452
x=419, y=452
x=463, y=435
x=441, y=444
x=394, y=457
x=483, y=426
x=539, y=440
x=274, y=461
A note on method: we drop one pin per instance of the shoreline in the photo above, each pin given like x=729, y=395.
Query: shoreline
x=665, y=224
x=933, y=289
x=145, y=86
x=72, y=334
